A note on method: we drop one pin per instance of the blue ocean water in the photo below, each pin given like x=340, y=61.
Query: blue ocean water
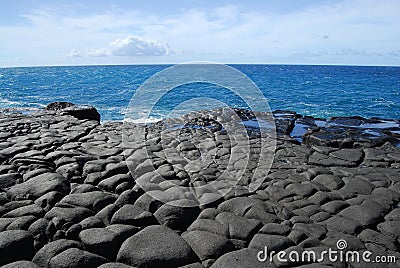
x=321, y=91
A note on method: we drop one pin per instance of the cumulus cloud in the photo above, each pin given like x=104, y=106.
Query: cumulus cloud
x=74, y=53
x=133, y=46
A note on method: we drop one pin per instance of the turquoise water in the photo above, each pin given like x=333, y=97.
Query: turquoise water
x=321, y=91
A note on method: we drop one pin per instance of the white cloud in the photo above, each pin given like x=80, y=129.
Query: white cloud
x=74, y=53
x=350, y=30
x=133, y=46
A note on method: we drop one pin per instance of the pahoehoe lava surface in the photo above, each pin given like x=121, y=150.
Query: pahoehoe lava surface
x=67, y=197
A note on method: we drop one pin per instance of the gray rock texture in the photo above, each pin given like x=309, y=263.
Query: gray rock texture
x=69, y=196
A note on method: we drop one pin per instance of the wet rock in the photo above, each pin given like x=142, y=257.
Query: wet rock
x=160, y=247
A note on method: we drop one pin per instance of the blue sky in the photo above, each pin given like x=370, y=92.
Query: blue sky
x=359, y=32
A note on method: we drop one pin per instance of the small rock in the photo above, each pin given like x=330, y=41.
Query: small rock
x=273, y=242
x=239, y=227
x=334, y=206
x=357, y=185
x=92, y=200
x=44, y=255
x=74, y=257
x=38, y=186
x=331, y=182
x=133, y=215
x=211, y=226
x=159, y=247
x=365, y=215
x=207, y=245
x=275, y=229
x=15, y=245
x=69, y=214
x=177, y=218
x=33, y=210
x=341, y=224
x=21, y=264
x=390, y=228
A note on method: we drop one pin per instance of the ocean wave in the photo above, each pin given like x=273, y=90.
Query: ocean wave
x=142, y=120
x=5, y=101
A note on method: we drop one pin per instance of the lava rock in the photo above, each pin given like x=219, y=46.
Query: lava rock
x=207, y=245
x=76, y=258
x=159, y=247
x=15, y=245
x=79, y=111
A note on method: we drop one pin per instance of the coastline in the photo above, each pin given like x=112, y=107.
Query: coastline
x=67, y=193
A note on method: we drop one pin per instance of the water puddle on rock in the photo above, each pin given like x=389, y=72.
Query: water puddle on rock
x=277, y=115
x=299, y=130
x=320, y=123
x=381, y=125
x=372, y=133
x=257, y=124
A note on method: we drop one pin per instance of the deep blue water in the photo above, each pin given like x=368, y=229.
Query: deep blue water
x=321, y=91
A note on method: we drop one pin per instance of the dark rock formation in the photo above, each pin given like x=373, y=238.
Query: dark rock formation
x=79, y=111
x=68, y=198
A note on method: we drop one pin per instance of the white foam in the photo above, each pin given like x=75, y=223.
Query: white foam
x=143, y=120
x=9, y=102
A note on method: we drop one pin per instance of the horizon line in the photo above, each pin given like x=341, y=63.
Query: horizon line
x=154, y=64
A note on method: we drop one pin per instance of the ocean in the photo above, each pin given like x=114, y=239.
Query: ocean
x=315, y=90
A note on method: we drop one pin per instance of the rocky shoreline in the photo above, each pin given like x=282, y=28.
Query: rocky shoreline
x=68, y=199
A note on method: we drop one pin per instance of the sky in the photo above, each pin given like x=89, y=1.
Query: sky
x=349, y=32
